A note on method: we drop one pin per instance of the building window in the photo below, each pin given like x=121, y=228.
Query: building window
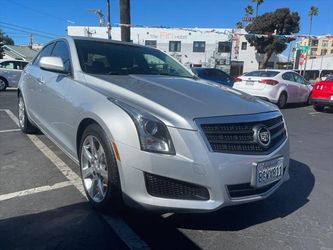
x=151, y=43
x=174, y=46
x=331, y=51
x=199, y=46
x=324, y=43
x=323, y=52
x=314, y=43
x=224, y=47
x=244, y=45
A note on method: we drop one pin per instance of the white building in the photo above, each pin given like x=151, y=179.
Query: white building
x=192, y=47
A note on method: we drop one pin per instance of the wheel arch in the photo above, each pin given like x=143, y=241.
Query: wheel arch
x=5, y=80
x=82, y=126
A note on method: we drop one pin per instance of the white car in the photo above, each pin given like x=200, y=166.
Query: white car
x=10, y=73
x=277, y=86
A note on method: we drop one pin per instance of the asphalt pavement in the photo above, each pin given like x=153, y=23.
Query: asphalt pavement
x=42, y=206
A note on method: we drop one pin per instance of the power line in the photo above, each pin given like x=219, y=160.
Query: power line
x=29, y=29
x=42, y=12
x=27, y=32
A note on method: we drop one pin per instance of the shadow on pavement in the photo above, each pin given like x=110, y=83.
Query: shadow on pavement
x=291, y=196
x=72, y=227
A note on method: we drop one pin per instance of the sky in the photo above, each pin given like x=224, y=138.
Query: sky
x=50, y=18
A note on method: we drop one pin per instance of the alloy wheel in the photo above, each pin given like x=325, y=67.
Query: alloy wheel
x=94, y=168
x=2, y=84
x=21, y=112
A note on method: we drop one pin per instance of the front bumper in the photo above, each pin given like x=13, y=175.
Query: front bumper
x=195, y=164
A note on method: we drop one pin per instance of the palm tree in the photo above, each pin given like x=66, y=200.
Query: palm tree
x=258, y=2
x=314, y=11
x=239, y=25
x=249, y=10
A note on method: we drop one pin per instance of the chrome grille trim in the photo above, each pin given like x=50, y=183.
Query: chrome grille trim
x=235, y=134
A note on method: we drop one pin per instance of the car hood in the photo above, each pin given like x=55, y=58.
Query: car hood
x=177, y=101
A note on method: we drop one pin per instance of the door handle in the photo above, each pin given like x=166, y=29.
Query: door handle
x=41, y=80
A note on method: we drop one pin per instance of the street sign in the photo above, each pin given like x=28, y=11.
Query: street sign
x=303, y=48
x=301, y=59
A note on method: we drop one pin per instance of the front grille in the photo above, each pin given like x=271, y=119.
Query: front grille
x=174, y=189
x=243, y=190
x=241, y=138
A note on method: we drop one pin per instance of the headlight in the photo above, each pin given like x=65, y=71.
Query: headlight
x=153, y=134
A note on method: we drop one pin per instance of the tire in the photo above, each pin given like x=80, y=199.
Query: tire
x=25, y=125
x=99, y=170
x=282, y=101
x=3, y=84
x=318, y=108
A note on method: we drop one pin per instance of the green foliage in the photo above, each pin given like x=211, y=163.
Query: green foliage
x=314, y=11
x=4, y=40
x=249, y=10
x=280, y=22
x=239, y=25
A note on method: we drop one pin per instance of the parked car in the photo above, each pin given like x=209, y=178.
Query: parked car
x=10, y=73
x=277, y=86
x=145, y=131
x=322, y=94
x=214, y=75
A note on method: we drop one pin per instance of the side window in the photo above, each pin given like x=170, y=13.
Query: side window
x=8, y=65
x=61, y=50
x=18, y=65
x=288, y=76
x=299, y=79
x=46, y=51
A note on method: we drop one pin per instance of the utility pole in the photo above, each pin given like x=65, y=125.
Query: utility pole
x=109, y=19
x=30, y=41
x=125, y=20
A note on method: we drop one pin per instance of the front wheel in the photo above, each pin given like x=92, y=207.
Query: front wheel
x=24, y=123
x=3, y=84
x=99, y=171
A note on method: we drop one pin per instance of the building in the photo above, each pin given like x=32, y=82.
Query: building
x=320, y=46
x=18, y=53
x=226, y=49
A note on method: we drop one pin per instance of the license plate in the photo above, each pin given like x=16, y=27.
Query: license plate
x=249, y=83
x=266, y=172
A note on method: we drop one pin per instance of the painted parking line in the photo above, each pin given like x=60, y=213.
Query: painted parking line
x=10, y=130
x=36, y=190
x=127, y=235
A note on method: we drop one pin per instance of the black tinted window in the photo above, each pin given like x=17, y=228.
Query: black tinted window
x=262, y=73
x=46, y=51
x=61, y=50
x=288, y=76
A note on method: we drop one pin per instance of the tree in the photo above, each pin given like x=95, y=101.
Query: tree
x=258, y=2
x=239, y=25
x=249, y=10
x=4, y=40
x=280, y=22
x=125, y=20
x=314, y=11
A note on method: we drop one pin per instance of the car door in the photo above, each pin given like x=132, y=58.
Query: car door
x=11, y=71
x=303, y=90
x=32, y=83
x=291, y=86
x=56, y=110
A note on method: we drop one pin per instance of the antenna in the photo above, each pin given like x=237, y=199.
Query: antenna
x=100, y=14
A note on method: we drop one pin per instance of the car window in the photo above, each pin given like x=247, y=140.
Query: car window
x=119, y=59
x=288, y=76
x=8, y=65
x=18, y=65
x=24, y=64
x=46, y=51
x=262, y=73
x=299, y=79
x=329, y=78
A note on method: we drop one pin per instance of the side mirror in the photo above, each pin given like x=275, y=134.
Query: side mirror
x=52, y=63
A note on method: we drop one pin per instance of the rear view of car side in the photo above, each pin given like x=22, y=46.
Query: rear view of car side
x=145, y=131
x=277, y=86
x=10, y=73
x=322, y=94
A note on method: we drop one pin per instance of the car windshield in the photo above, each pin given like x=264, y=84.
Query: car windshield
x=262, y=73
x=329, y=78
x=107, y=58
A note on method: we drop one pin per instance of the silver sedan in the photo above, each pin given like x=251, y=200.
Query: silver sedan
x=147, y=132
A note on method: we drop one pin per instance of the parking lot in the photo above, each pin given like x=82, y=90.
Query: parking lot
x=42, y=205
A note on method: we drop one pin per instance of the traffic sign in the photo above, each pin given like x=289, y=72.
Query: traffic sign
x=303, y=48
x=301, y=59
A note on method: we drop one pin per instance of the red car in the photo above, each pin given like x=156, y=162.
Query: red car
x=322, y=94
